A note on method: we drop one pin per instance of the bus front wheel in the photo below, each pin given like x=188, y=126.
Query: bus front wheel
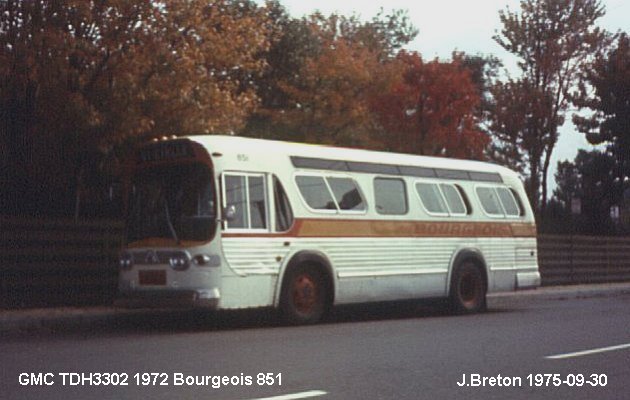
x=468, y=289
x=304, y=295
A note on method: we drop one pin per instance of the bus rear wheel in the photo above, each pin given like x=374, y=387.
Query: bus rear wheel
x=468, y=289
x=304, y=296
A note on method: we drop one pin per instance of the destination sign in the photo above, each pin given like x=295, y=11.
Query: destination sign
x=166, y=151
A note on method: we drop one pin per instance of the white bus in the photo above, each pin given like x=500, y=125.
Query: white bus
x=230, y=222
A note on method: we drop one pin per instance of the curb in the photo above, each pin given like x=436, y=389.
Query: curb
x=568, y=292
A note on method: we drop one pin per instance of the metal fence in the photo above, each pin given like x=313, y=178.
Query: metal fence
x=583, y=259
x=62, y=262
x=57, y=262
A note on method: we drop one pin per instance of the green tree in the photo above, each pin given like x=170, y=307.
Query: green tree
x=553, y=40
x=591, y=179
x=606, y=93
x=484, y=71
x=568, y=184
x=293, y=42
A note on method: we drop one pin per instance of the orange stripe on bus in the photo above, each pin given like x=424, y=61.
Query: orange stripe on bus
x=329, y=228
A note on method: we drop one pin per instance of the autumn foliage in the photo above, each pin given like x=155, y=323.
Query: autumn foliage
x=429, y=109
x=82, y=81
x=328, y=104
x=365, y=93
x=553, y=40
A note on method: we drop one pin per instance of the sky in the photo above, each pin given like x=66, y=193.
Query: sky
x=464, y=25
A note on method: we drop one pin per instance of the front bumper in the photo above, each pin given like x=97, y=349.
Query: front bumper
x=202, y=298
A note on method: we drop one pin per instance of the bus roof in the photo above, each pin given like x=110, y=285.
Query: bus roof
x=229, y=144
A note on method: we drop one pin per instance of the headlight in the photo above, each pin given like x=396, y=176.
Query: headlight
x=207, y=260
x=126, y=261
x=179, y=261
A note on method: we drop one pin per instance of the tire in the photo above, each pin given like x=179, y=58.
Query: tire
x=304, y=298
x=468, y=289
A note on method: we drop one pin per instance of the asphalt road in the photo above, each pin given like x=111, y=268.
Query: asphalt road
x=400, y=352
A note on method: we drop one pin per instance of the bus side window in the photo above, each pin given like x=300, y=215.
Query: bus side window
x=257, y=202
x=431, y=198
x=465, y=199
x=510, y=205
x=489, y=201
x=390, y=196
x=454, y=199
x=236, y=195
x=284, y=213
x=519, y=203
x=315, y=193
x=247, y=194
x=346, y=193
x=500, y=201
x=330, y=193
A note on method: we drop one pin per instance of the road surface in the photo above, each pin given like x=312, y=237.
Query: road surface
x=522, y=348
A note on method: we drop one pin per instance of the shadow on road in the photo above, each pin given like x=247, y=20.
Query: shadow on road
x=152, y=322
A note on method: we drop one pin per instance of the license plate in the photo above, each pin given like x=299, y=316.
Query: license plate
x=152, y=277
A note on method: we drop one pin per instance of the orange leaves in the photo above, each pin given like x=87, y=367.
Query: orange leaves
x=429, y=108
x=354, y=91
x=142, y=68
x=81, y=81
x=194, y=74
x=128, y=69
x=329, y=101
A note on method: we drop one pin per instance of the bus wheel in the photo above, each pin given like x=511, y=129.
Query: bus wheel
x=468, y=289
x=304, y=296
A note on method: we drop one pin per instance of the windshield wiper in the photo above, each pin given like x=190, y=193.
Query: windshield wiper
x=170, y=223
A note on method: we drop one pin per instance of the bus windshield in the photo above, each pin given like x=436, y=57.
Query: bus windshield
x=174, y=202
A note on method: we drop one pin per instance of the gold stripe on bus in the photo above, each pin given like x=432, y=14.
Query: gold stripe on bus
x=377, y=228
x=330, y=228
x=523, y=230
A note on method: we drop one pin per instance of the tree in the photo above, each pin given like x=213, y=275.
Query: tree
x=591, y=179
x=484, y=71
x=521, y=122
x=553, y=40
x=329, y=103
x=609, y=99
x=430, y=109
x=52, y=56
x=568, y=184
x=293, y=42
x=326, y=98
x=385, y=34
x=80, y=79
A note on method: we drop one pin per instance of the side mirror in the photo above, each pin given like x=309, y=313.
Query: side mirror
x=229, y=213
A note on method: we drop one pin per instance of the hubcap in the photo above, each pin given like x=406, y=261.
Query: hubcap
x=469, y=289
x=304, y=294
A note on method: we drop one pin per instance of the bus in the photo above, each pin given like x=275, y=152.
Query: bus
x=228, y=222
